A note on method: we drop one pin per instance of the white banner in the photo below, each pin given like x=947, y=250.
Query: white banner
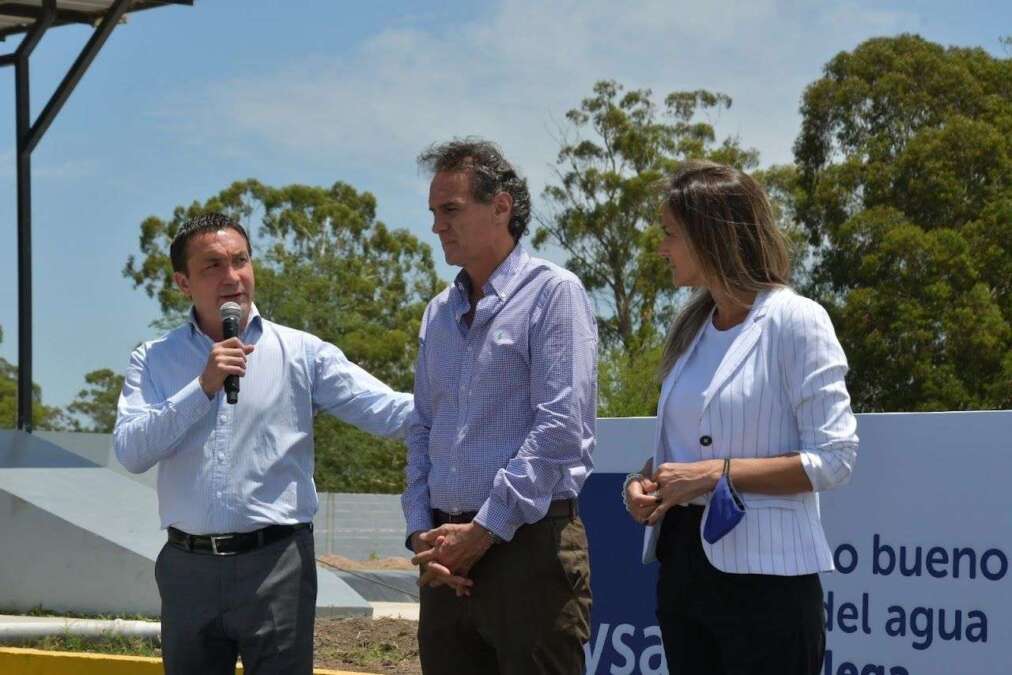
x=922, y=538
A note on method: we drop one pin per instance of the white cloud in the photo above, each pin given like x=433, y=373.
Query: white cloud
x=511, y=74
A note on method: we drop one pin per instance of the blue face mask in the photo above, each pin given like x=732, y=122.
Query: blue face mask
x=726, y=508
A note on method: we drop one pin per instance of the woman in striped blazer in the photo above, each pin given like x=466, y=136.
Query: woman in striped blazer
x=752, y=372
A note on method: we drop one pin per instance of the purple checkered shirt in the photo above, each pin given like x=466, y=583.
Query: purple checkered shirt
x=504, y=410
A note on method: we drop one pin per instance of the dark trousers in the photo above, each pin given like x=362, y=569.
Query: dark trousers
x=528, y=613
x=260, y=604
x=732, y=624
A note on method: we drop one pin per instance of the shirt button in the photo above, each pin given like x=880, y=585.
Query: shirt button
x=705, y=440
x=222, y=418
x=453, y=469
x=219, y=494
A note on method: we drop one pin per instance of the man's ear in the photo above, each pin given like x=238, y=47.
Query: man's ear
x=182, y=283
x=502, y=207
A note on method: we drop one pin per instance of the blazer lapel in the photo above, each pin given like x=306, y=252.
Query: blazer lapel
x=739, y=350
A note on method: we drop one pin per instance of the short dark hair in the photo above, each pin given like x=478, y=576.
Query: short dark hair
x=205, y=222
x=490, y=174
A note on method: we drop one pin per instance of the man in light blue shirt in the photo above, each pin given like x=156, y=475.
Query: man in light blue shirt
x=501, y=442
x=235, y=482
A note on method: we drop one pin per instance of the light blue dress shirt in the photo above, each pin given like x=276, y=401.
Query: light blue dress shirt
x=504, y=409
x=236, y=468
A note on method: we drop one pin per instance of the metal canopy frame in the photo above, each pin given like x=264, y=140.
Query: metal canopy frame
x=29, y=134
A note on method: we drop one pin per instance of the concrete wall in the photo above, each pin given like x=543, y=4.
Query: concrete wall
x=97, y=448
x=360, y=526
x=77, y=536
x=52, y=563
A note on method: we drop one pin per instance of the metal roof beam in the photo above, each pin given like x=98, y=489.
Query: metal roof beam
x=77, y=71
x=42, y=23
x=23, y=122
x=69, y=16
x=29, y=135
x=29, y=12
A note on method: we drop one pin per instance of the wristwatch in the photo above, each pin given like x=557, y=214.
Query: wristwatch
x=496, y=539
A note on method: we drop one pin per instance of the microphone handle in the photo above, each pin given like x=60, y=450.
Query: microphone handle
x=230, y=328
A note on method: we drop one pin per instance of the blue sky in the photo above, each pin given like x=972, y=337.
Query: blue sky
x=184, y=100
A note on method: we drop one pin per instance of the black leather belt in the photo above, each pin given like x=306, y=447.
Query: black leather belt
x=233, y=543
x=560, y=508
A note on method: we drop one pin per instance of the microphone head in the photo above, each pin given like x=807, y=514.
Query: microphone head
x=230, y=310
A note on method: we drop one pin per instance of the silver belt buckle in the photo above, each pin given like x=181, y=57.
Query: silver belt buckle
x=214, y=544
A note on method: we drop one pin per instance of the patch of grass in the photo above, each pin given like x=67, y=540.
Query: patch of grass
x=105, y=644
x=382, y=653
x=102, y=644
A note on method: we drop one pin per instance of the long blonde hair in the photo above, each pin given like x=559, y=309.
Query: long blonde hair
x=728, y=222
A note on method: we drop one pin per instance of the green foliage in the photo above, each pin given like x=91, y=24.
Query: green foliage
x=904, y=166
x=618, y=149
x=97, y=402
x=43, y=416
x=323, y=264
x=350, y=460
x=108, y=643
x=628, y=385
x=782, y=184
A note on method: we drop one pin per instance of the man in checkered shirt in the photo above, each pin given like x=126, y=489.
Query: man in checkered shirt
x=501, y=440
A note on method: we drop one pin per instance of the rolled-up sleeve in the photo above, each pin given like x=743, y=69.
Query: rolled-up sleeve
x=563, y=388
x=815, y=368
x=149, y=426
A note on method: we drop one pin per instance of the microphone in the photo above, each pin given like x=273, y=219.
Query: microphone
x=230, y=314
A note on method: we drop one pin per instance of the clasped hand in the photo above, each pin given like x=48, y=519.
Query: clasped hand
x=447, y=553
x=672, y=483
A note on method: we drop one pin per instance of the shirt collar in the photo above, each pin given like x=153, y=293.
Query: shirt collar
x=499, y=284
x=254, y=321
x=501, y=280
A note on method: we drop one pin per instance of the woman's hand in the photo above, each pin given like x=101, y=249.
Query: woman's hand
x=681, y=482
x=640, y=500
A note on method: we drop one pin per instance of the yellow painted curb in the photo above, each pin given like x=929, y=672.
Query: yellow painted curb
x=18, y=661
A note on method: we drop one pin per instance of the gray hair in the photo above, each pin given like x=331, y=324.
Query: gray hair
x=490, y=174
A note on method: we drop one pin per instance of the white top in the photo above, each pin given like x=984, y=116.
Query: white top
x=684, y=407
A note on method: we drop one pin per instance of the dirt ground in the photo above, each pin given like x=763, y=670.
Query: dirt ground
x=387, y=646
x=377, y=564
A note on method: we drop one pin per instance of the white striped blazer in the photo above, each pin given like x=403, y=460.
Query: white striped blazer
x=778, y=390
